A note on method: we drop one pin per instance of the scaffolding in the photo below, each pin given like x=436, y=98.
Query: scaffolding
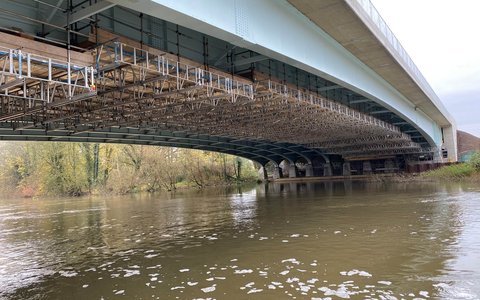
x=127, y=86
x=144, y=74
x=32, y=83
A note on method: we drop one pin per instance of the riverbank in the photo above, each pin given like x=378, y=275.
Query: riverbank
x=333, y=178
x=431, y=176
x=467, y=171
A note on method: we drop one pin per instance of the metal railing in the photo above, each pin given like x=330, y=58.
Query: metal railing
x=43, y=74
x=287, y=92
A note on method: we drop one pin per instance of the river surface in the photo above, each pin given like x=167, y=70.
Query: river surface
x=329, y=240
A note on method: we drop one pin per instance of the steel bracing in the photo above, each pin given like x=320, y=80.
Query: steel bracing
x=129, y=88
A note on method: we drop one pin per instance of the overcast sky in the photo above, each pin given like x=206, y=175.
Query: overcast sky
x=443, y=39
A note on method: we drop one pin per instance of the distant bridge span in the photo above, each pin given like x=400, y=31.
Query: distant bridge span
x=315, y=88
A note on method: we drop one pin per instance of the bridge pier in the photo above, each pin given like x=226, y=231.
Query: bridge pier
x=309, y=170
x=390, y=166
x=262, y=174
x=367, y=167
x=347, y=171
x=327, y=169
x=292, y=171
x=277, y=172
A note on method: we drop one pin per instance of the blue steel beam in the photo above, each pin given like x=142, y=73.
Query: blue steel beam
x=258, y=151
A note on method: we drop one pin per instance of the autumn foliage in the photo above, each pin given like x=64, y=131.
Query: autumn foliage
x=39, y=168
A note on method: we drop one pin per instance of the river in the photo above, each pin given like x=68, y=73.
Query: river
x=325, y=240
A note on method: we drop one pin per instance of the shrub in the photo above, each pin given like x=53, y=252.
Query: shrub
x=475, y=161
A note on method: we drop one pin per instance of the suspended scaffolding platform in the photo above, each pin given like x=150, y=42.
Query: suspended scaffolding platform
x=127, y=86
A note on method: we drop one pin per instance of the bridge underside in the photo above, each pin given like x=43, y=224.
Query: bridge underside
x=123, y=91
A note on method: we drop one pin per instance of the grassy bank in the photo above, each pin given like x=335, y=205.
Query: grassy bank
x=469, y=170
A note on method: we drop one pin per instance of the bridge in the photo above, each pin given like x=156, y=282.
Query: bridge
x=304, y=88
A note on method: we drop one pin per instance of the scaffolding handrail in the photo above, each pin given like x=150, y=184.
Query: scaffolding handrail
x=306, y=96
x=116, y=53
x=20, y=64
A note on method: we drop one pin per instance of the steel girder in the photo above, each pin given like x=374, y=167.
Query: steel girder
x=259, y=151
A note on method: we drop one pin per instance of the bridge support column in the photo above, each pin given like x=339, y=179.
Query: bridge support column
x=367, y=167
x=277, y=172
x=292, y=171
x=309, y=170
x=262, y=174
x=390, y=166
x=346, y=169
x=327, y=169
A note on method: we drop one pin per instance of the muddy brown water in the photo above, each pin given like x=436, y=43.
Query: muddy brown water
x=325, y=240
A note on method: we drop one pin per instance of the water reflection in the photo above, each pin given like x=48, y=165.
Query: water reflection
x=297, y=240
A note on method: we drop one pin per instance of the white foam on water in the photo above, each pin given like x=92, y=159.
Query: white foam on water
x=68, y=273
x=244, y=271
x=424, y=294
x=184, y=270
x=191, y=283
x=385, y=282
x=356, y=272
x=209, y=289
x=304, y=288
x=291, y=260
x=254, y=290
x=129, y=273
x=154, y=267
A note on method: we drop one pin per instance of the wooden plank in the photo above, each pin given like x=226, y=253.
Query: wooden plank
x=43, y=49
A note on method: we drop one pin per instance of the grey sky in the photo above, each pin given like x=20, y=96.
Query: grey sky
x=442, y=39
